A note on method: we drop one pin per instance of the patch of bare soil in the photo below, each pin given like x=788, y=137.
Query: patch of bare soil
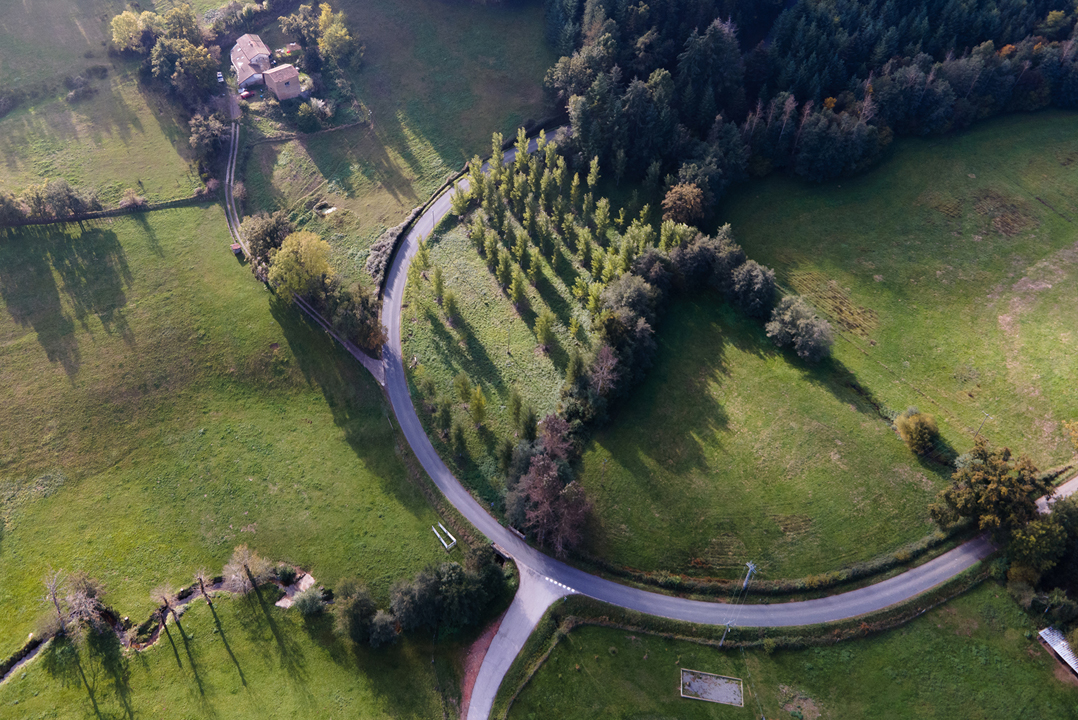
x=724, y=551
x=793, y=526
x=474, y=660
x=942, y=203
x=1063, y=673
x=795, y=700
x=834, y=300
x=1009, y=216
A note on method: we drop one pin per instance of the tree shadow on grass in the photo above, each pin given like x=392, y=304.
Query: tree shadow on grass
x=206, y=708
x=553, y=299
x=172, y=644
x=368, y=155
x=473, y=359
x=256, y=615
x=228, y=648
x=352, y=397
x=93, y=271
x=32, y=297
x=93, y=274
x=832, y=375
x=681, y=383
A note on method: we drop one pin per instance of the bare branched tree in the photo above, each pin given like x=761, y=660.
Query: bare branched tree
x=163, y=594
x=84, y=601
x=604, y=369
x=54, y=592
x=245, y=570
x=203, y=578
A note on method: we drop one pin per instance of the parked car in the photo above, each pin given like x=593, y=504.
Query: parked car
x=245, y=94
x=220, y=78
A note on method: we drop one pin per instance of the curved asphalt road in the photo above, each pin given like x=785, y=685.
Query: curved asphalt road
x=544, y=579
x=836, y=607
x=563, y=579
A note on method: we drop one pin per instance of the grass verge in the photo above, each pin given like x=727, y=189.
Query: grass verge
x=946, y=662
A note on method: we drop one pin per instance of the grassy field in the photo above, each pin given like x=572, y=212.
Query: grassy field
x=121, y=137
x=439, y=79
x=243, y=659
x=161, y=408
x=730, y=451
x=975, y=657
x=951, y=272
x=477, y=346
x=45, y=41
x=960, y=258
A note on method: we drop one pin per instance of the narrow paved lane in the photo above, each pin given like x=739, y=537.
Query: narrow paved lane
x=545, y=579
x=836, y=607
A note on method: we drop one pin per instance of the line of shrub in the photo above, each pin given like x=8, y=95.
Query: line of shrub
x=386, y=245
x=903, y=556
x=130, y=204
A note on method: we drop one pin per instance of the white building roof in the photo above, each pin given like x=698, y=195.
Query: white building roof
x=1062, y=648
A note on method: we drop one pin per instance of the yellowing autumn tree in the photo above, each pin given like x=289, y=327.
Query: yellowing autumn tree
x=334, y=41
x=300, y=264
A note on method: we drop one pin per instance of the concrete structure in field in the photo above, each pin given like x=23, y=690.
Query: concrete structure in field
x=283, y=81
x=250, y=59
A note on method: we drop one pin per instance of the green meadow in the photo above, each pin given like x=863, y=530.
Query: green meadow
x=163, y=407
x=975, y=657
x=950, y=275
x=492, y=343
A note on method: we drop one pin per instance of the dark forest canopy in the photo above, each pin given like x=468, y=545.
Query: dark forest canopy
x=705, y=92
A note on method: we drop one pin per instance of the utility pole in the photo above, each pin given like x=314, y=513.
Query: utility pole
x=987, y=417
x=748, y=576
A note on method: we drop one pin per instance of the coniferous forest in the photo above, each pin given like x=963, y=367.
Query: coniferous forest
x=710, y=92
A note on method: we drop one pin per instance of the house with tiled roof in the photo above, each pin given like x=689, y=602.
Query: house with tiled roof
x=250, y=59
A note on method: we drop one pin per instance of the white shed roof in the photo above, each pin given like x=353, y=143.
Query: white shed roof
x=1062, y=648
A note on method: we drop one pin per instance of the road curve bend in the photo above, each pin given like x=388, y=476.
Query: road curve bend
x=544, y=579
x=573, y=580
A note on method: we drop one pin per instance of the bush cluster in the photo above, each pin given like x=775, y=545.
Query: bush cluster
x=51, y=200
x=918, y=429
x=795, y=324
x=382, y=250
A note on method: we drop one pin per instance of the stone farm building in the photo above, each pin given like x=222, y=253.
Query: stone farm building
x=251, y=61
x=283, y=81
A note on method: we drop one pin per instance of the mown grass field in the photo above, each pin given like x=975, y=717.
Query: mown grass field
x=244, y=658
x=439, y=79
x=962, y=252
x=951, y=272
x=122, y=137
x=732, y=451
x=41, y=43
x=492, y=343
x=975, y=657
x=161, y=408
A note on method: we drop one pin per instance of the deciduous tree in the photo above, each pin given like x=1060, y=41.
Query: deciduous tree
x=300, y=265
x=918, y=429
x=795, y=323
x=996, y=491
x=684, y=203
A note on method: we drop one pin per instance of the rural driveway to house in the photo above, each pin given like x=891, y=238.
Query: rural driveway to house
x=544, y=579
